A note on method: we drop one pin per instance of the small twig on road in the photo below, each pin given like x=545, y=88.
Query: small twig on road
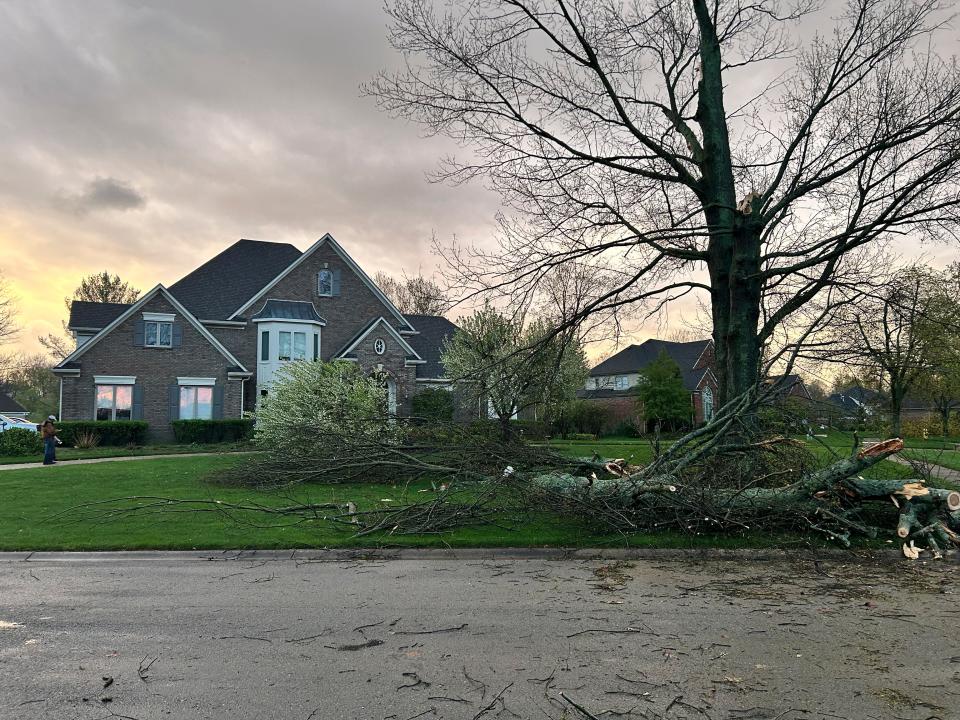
x=430, y=632
x=142, y=669
x=493, y=702
x=359, y=646
x=417, y=681
x=579, y=708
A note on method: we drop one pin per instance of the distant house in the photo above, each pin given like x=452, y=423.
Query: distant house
x=857, y=403
x=10, y=407
x=211, y=344
x=787, y=386
x=614, y=382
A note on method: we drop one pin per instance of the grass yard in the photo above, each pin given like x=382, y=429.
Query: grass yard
x=35, y=514
x=65, y=453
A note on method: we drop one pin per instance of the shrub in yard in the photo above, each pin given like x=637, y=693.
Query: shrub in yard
x=115, y=433
x=18, y=441
x=313, y=403
x=433, y=405
x=212, y=431
x=86, y=439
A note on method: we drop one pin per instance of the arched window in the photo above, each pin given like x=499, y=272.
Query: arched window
x=707, y=397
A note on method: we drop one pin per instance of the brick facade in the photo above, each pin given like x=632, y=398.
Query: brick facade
x=156, y=369
x=346, y=314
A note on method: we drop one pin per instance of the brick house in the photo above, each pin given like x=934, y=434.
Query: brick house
x=614, y=382
x=209, y=345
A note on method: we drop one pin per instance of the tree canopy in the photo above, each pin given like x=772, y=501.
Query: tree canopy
x=661, y=392
x=414, y=295
x=514, y=365
x=97, y=287
x=638, y=139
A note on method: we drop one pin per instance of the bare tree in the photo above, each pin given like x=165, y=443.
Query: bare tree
x=8, y=314
x=414, y=295
x=99, y=287
x=628, y=135
x=899, y=334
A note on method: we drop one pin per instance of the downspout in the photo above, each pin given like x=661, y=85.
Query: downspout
x=243, y=387
x=60, y=402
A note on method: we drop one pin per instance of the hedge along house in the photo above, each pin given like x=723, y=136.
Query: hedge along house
x=209, y=345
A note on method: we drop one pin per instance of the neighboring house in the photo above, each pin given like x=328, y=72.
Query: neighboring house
x=787, y=386
x=613, y=383
x=857, y=403
x=210, y=344
x=10, y=407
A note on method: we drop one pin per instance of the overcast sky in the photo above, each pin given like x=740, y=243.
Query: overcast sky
x=144, y=137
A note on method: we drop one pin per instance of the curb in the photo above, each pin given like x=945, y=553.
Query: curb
x=426, y=554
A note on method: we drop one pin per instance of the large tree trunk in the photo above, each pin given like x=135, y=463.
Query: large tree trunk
x=734, y=243
x=896, y=408
x=735, y=299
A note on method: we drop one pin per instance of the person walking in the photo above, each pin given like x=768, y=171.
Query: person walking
x=48, y=431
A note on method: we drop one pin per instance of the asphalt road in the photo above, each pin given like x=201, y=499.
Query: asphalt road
x=469, y=638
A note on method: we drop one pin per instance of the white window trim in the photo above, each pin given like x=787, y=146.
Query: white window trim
x=114, y=379
x=159, y=317
x=379, y=346
x=201, y=381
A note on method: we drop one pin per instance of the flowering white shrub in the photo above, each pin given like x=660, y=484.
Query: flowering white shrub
x=315, y=404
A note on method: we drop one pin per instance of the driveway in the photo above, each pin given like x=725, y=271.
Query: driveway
x=246, y=637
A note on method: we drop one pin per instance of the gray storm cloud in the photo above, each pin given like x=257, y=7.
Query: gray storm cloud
x=105, y=193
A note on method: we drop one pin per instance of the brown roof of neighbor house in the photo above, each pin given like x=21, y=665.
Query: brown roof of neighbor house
x=223, y=284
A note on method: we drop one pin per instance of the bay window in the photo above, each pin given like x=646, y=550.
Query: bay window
x=293, y=345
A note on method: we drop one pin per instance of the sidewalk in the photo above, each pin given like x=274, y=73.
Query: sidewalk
x=124, y=458
x=939, y=472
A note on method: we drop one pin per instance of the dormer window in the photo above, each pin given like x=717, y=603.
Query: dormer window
x=158, y=334
x=325, y=283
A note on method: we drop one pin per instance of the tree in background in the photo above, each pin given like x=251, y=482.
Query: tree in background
x=32, y=384
x=662, y=396
x=99, y=287
x=413, y=295
x=515, y=366
x=621, y=135
x=8, y=313
x=899, y=334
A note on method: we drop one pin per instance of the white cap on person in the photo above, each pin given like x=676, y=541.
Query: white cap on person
x=52, y=417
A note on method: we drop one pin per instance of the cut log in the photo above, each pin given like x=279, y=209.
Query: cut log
x=908, y=518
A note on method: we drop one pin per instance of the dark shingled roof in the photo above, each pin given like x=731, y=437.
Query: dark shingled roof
x=216, y=289
x=288, y=310
x=434, y=330
x=856, y=398
x=97, y=315
x=9, y=405
x=636, y=357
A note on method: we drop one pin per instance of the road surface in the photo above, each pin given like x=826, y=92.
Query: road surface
x=244, y=637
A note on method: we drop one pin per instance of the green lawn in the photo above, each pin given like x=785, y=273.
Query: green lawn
x=65, y=453
x=38, y=511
